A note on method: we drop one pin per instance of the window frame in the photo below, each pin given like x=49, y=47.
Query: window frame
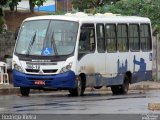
x=127, y=40
x=106, y=38
x=82, y=53
x=138, y=37
x=104, y=41
x=150, y=37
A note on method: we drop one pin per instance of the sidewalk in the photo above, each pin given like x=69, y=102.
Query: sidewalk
x=145, y=85
x=8, y=89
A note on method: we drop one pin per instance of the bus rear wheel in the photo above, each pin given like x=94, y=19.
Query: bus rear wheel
x=115, y=89
x=121, y=89
x=25, y=91
x=125, y=86
x=79, y=91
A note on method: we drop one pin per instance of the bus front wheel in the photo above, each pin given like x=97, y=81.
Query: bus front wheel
x=24, y=91
x=79, y=90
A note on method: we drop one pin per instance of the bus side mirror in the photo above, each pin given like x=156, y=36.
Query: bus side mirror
x=16, y=33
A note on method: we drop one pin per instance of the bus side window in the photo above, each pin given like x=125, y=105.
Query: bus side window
x=122, y=37
x=82, y=41
x=110, y=36
x=145, y=37
x=92, y=40
x=134, y=40
x=87, y=39
x=100, y=38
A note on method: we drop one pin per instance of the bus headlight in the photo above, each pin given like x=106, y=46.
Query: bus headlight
x=66, y=68
x=17, y=67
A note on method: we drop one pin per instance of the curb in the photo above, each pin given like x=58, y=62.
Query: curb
x=145, y=85
x=7, y=91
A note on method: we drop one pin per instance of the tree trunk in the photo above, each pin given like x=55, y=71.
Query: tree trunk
x=31, y=6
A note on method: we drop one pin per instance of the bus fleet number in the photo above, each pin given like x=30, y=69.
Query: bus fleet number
x=29, y=66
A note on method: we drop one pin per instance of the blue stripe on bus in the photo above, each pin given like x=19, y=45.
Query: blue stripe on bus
x=65, y=80
x=118, y=79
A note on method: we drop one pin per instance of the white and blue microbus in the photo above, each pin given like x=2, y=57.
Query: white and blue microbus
x=76, y=51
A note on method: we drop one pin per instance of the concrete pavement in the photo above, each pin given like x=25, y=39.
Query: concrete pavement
x=8, y=89
x=145, y=85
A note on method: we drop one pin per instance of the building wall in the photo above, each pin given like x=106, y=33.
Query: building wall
x=64, y=5
x=7, y=43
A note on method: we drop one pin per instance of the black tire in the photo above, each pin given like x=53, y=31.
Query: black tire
x=125, y=87
x=79, y=91
x=24, y=91
x=115, y=89
x=121, y=89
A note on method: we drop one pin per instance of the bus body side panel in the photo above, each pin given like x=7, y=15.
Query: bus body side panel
x=65, y=80
x=93, y=66
x=103, y=69
x=141, y=66
x=117, y=64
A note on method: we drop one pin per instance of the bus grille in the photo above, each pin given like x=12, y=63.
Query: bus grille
x=44, y=71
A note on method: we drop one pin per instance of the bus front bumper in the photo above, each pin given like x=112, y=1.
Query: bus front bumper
x=65, y=80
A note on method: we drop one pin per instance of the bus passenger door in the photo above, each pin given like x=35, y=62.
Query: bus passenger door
x=89, y=61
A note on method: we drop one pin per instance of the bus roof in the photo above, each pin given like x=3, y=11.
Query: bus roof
x=98, y=18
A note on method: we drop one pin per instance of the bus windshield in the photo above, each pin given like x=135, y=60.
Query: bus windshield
x=47, y=38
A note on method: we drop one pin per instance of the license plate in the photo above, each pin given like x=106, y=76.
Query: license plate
x=39, y=82
x=30, y=66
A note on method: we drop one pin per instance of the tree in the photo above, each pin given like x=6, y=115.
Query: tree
x=13, y=4
x=3, y=2
x=33, y=3
x=2, y=20
x=145, y=8
x=82, y=5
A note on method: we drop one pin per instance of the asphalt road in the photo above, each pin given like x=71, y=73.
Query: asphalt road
x=92, y=106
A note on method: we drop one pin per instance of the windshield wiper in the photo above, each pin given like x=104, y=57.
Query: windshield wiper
x=31, y=44
x=53, y=44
